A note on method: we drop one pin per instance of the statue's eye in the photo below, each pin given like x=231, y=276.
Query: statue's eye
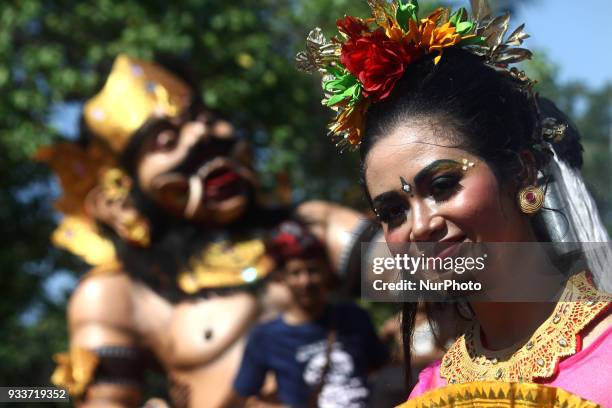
x=166, y=140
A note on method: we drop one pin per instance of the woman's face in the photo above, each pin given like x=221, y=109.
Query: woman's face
x=423, y=190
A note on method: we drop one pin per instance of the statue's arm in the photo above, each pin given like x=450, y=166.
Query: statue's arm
x=101, y=320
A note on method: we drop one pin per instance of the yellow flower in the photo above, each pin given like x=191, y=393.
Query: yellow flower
x=352, y=121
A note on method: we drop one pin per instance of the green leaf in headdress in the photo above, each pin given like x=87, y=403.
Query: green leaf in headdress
x=458, y=17
x=353, y=93
x=339, y=84
x=336, y=70
x=477, y=40
x=356, y=94
x=335, y=99
x=464, y=27
x=406, y=11
x=343, y=87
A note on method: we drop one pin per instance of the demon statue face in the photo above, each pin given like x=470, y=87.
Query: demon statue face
x=181, y=157
x=193, y=166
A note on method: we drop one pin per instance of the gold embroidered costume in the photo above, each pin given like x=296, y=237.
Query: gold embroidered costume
x=556, y=338
x=476, y=379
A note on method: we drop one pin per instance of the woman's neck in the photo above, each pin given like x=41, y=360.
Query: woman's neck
x=527, y=287
x=507, y=324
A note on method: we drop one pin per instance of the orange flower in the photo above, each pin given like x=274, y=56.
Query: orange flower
x=434, y=38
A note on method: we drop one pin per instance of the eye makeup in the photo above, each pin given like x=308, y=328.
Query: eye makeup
x=440, y=180
x=439, y=166
x=391, y=208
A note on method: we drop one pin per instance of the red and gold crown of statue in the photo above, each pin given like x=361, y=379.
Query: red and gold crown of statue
x=134, y=92
x=362, y=65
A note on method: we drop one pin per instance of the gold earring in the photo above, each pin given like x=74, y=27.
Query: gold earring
x=530, y=199
x=128, y=223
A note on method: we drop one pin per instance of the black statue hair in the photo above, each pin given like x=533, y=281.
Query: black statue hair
x=496, y=119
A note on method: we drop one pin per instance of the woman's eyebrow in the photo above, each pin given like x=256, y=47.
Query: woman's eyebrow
x=421, y=176
x=385, y=197
x=433, y=167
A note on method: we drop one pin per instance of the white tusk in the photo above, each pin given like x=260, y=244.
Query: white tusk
x=196, y=196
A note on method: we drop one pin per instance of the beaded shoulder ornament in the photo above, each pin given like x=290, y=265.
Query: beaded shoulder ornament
x=557, y=338
x=362, y=65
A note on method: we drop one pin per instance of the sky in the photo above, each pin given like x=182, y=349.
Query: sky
x=576, y=35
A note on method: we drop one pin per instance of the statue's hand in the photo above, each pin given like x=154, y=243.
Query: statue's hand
x=333, y=224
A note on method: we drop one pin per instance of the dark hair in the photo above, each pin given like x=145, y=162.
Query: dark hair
x=495, y=118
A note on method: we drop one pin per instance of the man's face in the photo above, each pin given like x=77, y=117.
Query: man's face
x=195, y=168
x=307, y=281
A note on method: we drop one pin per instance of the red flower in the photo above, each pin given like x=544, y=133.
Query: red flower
x=351, y=26
x=377, y=62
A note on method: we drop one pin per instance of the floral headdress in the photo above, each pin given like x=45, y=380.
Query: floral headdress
x=362, y=65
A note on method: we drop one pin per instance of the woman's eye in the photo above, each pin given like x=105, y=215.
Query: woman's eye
x=443, y=187
x=393, y=216
x=166, y=140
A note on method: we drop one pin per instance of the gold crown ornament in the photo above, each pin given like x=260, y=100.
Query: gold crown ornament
x=134, y=92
